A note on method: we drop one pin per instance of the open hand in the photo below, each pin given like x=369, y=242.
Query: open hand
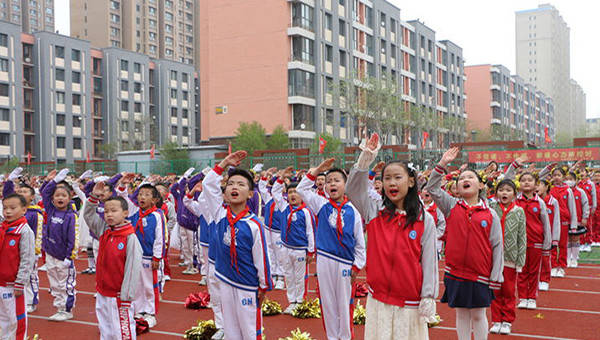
x=449, y=156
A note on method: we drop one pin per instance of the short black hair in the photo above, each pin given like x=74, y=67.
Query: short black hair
x=28, y=187
x=321, y=174
x=119, y=199
x=155, y=193
x=292, y=185
x=17, y=196
x=507, y=182
x=65, y=185
x=334, y=170
x=245, y=174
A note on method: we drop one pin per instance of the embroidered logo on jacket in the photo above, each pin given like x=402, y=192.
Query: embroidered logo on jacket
x=12, y=243
x=484, y=224
x=535, y=209
x=227, y=235
x=412, y=234
x=120, y=246
x=57, y=220
x=333, y=219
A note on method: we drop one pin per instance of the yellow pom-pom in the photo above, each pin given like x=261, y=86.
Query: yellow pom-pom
x=270, y=307
x=308, y=309
x=437, y=321
x=360, y=314
x=297, y=334
x=204, y=331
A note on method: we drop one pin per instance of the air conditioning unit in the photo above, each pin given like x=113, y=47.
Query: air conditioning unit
x=221, y=109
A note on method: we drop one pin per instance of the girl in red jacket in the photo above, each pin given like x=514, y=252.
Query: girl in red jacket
x=474, y=249
x=543, y=190
x=568, y=220
x=401, y=239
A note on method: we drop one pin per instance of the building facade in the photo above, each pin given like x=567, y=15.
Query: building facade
x=502, y=106
x=31, y=15
x=161, y=29
x=577, y=107
x=63, y=101
x=543, y=59
x=285, y=70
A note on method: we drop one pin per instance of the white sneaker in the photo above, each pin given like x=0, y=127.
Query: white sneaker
x=569, y=263
x=544, y=286
x=588, y=248
x=42, y=268
x=290, y=309
x=280, y=284
x=61, y=316
x=167, y=278
x=190, y=271
x=151, y=319
x=31, y=308
x=505, y=328
x=202, y=281
x=560, y=272
x=554, y=272
x=531, y=304
x=574, y=264
x=522, y=304
x=219, y=335
x=182, y=264
x=496, y=328
x=138, y=315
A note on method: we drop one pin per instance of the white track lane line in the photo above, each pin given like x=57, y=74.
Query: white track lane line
x=513, y=334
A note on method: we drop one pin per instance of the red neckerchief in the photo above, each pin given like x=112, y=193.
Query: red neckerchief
x=289, y=224
x=140, y=225
x=338, y=222
x=505, y=212
x=321, y=193
x=432, y=208
x=8, y=225
x=232, y=221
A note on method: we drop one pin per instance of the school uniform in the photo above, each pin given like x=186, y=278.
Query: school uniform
x=554, y=218
x=589, y=188
x=187, y=221
x=297, y=237
x=60, y=241
x=118, y=274
x=407, y=251
x=273, y=220
x=568, y=220
x=440, y=224
x=16, y=262
x=340, y=245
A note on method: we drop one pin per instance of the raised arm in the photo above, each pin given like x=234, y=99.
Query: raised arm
x=90, y=215
x=277, y=192
x=444, y=201
x=357, y=190
x=262, y=188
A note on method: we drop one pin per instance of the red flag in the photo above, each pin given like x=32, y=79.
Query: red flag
x=88, y=157
x=322, y=144
x=548, y=139
x=28, y=158
x=152, y=149
x=229, y=149
x=425, y=136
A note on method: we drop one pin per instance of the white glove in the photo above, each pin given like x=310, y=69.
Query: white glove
x=258, y=167
x=427, y=309
x=101, y=179
x=188, y=172
x=87, y=174
x=15, y=174
x=206, y=170
x=367, y=156
x=1, y=178
x=61, y=175
x=67, y=261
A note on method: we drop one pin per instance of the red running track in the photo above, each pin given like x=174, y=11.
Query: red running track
x=570, y=310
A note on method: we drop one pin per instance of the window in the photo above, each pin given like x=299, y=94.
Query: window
x=60, y=97
x=184, y=113
x=114, y=5
x=76, y=77
x=115, y=32
x=169, y=41
x=382, y=20
x=168, y=4
x=96, y=66
x=60, y=74
x=75, y=55
x=303, y=49
x=137, y=107
x=174, y=130
x=124, y=105
x=4, y=138
x=138, y=126
x=124, y=65
x=173, y=93
x=137, y=87
x=185, y=95
x=124, y=126
x=173, y=112
x=342, y=28
x=115, y=18
x=152, y=36
x=303, y=117
x=342, y=2
x=59, y=51
x=77, y=121
x=343, y=58
x=152, y=23
x=3, y=65
x=184, y=131
x=5, y=115
x=329, y=53
x=184, y=78
x=169, y=52
x=169, y=28
x=137, y=68
x=76, y=99
x=97, y=85
x=301, y=83
x=168, y=16
x=328, y=21
x=124, y=85
x=173, y=75
x=77, y=143
x=60, y=120
x=3, y=40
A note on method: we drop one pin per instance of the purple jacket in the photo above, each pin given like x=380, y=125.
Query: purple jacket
x=185, y=217
x=256, y=203
x=34, y=213
x=61, y=228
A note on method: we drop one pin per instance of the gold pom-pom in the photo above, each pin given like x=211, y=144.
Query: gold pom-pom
x=204, y=331
x=270, y=307
x=307, y=309
x=35, y=337
x=297, y=334
x=360, y=314
x=435, y=323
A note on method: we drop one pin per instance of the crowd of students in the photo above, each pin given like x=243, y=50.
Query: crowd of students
x=499, y=234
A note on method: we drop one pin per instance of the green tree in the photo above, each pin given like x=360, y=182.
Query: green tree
x=174, y=159
x=108, y=150
x=249, y=137
x=279, y=139
x=9, y=165
x=333, y=144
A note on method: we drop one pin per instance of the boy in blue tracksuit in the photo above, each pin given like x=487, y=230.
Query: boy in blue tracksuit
x=297, y=237
x=273, y=221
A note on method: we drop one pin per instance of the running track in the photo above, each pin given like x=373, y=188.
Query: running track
x=570, y=310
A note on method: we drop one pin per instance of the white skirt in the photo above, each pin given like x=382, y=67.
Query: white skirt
x=389, y=322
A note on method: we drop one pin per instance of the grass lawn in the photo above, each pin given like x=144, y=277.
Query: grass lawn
x=593, y=257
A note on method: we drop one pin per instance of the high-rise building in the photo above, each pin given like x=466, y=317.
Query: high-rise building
x=577, y=108
x=164, y=29
x=505, y=107
x=32, y=15
x=284, y=70
x=543, y=59
x=62, y=100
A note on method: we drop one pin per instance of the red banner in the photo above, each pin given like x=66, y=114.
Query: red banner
x=536, y=155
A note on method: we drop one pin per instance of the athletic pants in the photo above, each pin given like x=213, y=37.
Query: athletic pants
x=559, y=255
x=215, y=295
x=187, y=245
x=62, y=283
x=13, y=315
x=203, y=260
x=32, y=287
x=147, y=295
x=276, y=253
x=529, y=277
x=244, y=316
x=545, y=267
x=294, y=267
x=115, y=318
x=503, y=306
x=335, y=290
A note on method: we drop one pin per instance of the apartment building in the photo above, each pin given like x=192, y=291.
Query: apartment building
x=62, y=100
x=284, y=71
x=161, y=29
x=502, y=106
x=31, y=15
x=577, y=107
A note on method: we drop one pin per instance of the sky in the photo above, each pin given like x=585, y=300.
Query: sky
x=485, y=29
